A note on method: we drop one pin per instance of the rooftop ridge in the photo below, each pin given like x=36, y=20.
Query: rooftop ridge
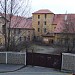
x=41, y=11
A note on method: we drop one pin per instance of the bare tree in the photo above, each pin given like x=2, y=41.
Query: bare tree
x=68, y=32
x=11, y=8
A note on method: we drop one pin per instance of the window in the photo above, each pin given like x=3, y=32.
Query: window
x=54, y=27
x=44, y=30
x=28, y=32
x=44, y=22
x=24, y=38
x=38, y=29
x=20, y=38
x=15, y=30
x=28, y=38
x=38, y=22
x=18, y=31
x=38, y=16
x=3, y=29
x=45, y=16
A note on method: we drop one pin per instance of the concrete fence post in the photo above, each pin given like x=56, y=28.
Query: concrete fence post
x=25, y=59
x=6, y=57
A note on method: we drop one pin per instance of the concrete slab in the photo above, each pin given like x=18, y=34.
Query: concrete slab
x=29, y=70
x=9, y=67
x=35, y=73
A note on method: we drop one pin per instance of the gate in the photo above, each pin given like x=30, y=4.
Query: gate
x=44, y=60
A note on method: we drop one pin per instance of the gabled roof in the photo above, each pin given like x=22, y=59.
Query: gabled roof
x=57, y=18
x=19, y=22
x=43, y=11
x=60, y=26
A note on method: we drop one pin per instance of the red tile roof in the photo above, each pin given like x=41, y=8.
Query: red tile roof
x=22, y=22
x=57, y=18
x=43, y=11
x=60, y=27
x=19, y=22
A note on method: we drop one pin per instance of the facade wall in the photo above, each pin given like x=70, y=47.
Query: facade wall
x=2, y=22
x=2, y=40
x=53, y=27
x=64, y=40
x=41, y=26
x=49, y=26
x=48, y=40
x=22, y=34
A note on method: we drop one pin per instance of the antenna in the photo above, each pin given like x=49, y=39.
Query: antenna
x=66, y=16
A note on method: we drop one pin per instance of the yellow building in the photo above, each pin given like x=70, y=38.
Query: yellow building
x=41, y=22
x=2, y=32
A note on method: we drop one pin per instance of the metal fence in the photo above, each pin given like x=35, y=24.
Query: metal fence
x=12, y=58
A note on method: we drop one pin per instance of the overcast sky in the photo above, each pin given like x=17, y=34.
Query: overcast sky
x=56, y=6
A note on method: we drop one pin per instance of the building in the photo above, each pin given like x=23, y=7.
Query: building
x=2, y=29
x=49, y=26
x=41, y=22
x=44, y=26
x=21, y=29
